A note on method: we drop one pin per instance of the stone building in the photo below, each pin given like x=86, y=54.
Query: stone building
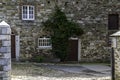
x=26, y=16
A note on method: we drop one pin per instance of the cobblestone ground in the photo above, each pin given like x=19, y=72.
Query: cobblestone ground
x=29, y=71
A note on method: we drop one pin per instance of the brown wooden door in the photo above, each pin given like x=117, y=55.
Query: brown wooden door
x=13, y=46
x=73, y=50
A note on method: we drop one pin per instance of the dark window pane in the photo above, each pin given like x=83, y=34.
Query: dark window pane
x=113, y=21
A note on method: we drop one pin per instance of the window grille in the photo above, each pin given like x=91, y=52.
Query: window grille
x=44, y=43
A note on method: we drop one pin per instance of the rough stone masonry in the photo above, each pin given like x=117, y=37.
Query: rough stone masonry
x=5, y=51
x=92, y=17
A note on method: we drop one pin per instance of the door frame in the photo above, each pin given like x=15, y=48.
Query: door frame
x=13, y=46
x=17, y=46
x=79, y=47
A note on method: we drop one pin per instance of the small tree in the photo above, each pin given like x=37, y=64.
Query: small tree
x=61, y=30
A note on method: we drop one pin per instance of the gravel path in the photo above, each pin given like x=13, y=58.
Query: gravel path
x=30, y=71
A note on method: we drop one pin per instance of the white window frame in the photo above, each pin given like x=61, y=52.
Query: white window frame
x=44, y=43
x=28, y=12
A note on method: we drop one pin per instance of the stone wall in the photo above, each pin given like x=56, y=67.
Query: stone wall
x=91, y=15
x=117, y=64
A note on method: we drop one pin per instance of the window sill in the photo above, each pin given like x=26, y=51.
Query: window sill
x=28, y=19
x=44, y=47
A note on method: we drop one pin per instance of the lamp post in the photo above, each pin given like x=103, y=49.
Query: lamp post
x=112, y=64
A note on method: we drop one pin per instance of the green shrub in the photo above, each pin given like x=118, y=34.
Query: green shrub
x=38, y=59
x=61, y=30
x=37, y=56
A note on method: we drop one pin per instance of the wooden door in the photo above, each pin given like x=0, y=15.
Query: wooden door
x=73, y=50
x=13, y=47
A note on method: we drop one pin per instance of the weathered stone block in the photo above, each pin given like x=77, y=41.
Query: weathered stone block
x=5, y=49
x=3, y=61
x=6, y=43
x=5, y=37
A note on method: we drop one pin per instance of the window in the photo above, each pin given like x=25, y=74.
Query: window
x=28, y=12
x=113, y=22
x=44, y=43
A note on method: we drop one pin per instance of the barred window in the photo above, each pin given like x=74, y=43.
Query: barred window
x=27, y=12
x=44, y=43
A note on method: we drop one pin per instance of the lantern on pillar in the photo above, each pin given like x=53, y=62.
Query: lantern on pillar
x=115, y=38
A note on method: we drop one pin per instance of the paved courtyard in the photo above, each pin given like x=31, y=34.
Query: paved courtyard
x=47, y=71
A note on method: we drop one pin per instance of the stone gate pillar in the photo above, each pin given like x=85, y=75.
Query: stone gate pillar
x=116, y=46
x=5, y=51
